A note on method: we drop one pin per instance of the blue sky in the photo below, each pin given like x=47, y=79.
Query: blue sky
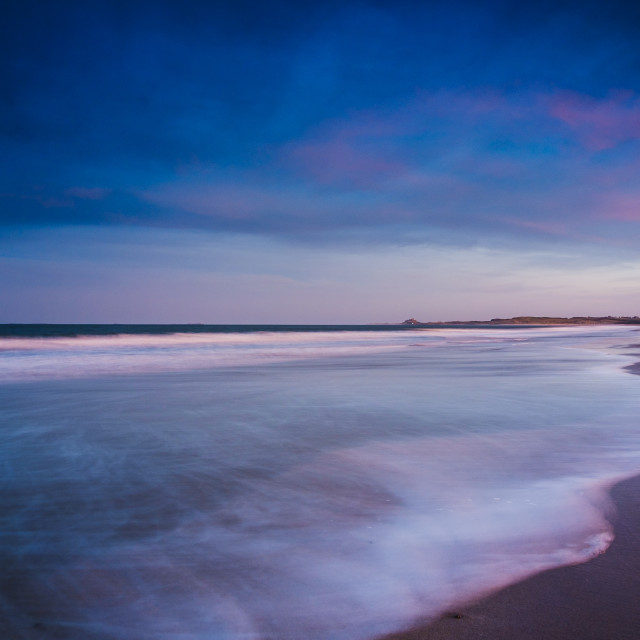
x=318, y=162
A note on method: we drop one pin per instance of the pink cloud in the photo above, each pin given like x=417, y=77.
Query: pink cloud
x=446, y=160
x=619, y=206
x=374, y=147
x=598, y=124
x=556, y=227
x=345, y=158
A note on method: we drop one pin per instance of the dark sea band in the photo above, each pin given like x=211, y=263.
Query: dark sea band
x=76, y=330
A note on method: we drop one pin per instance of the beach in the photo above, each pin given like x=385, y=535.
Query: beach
x=596, y=600
x=321, y=484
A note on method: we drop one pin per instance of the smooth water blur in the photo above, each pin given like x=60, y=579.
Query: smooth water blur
x=321, y=485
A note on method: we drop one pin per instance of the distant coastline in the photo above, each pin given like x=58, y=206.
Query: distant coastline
x=17, y=330
x=533, y=320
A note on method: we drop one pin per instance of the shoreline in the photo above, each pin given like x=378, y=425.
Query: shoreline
x=596, y=600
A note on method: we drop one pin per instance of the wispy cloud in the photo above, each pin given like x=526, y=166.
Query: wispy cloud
x=478, y=163
x=599, y=124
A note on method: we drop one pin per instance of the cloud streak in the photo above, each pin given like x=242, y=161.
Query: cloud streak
x=599, y=124
x=497, y=164
x=448, y=166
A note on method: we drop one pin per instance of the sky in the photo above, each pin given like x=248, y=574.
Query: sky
x=318, y=162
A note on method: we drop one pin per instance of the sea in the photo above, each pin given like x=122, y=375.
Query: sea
x=195, y=482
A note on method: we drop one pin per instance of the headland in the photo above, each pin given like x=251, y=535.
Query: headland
x=533, y=320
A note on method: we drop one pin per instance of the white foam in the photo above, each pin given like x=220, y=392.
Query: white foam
x=362, y=542
x=23, y=359
x=42, y=358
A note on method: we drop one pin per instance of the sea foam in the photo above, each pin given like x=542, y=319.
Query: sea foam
x=341, y=488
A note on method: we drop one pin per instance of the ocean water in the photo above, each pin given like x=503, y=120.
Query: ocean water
x=299, y=484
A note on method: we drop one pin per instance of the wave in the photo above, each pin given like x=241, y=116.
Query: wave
x=40, y=358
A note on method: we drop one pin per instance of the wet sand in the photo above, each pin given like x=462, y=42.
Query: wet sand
x=597, y=600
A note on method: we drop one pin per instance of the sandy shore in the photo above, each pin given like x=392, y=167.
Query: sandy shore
x=598, y=600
